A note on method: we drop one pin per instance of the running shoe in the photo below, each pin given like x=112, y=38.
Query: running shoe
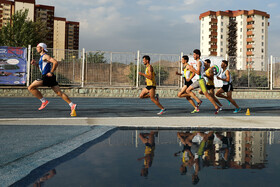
x=195, y=111
x=217, y=110
x=161, y=111
x=73, y=107
x=157, y=97
x=237, y=110
x=44, y=104
x=228, y=102
x=221, y=108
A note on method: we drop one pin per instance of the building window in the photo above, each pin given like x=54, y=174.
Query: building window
x=222, y=17
x=262, y=56
x=240, y=49
x=262, y=37
x=263, y=18
x=222, y=30
x=202, y=19
x=222, y=23
x=221, y=50
x=221, y=43
x=221, y=36
x=262, y=50
x=262, y=23
x=240, y=36
x=262, y=44
x=262, y=30
x=202, y=37
x=240, y=29
x=262, y=63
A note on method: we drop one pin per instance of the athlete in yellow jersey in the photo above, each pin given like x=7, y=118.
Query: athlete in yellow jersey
x=209, y=76
x=188, y=75
x=149, y=140
x=150, y=90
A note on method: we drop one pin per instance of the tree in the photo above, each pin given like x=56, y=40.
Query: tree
x=21, y=32
x=97, y=57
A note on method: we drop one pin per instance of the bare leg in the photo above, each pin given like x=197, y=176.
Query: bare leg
x=212, y=94
x=57, y=90
x=152, y=96
x=191, y=101
x=144, y=94
x=229, y=96
x=33, y=89
x=210, y=99
x=189, y=91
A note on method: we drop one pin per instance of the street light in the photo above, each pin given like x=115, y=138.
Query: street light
x=73, y=57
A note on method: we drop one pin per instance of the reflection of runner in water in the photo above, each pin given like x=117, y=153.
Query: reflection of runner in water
x=149, y=140
x=46, y=177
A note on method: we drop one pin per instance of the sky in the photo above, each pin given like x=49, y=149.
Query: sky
x=153, y=26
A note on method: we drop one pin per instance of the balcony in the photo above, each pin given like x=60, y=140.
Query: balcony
x=213, y=34
x=214, y=27
x=249, y=53
x=249, y=39
x=250, y=46
x=250, y=19
x=250, y=33
x=214, y=20
x=214, y=40
x=213, y=47
x=213, y=53
x=250, y=26
x=249, y=60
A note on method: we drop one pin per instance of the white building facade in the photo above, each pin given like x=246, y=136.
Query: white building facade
x=249, y=34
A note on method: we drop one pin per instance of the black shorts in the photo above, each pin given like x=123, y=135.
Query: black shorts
x=188, y=83
x=150, y=87
x=227, y=88
x=49, y=81
x=209, y=87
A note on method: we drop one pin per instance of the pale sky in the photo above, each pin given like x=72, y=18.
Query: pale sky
x=153, y=26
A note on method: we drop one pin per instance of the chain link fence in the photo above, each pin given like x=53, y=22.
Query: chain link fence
x=69, y=70
x=250, y=72
x=119, y=69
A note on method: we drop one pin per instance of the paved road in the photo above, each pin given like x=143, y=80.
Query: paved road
x=99, y=107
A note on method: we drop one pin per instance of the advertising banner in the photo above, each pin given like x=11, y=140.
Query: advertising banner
x=12, y=65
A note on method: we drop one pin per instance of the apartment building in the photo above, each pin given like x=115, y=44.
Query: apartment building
x=6, y=12
x=26, y=4
x=59, y=38
x=62, y=34
x=241, y=35
x=46, y=14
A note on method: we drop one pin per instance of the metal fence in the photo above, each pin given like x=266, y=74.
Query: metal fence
x=120, y=69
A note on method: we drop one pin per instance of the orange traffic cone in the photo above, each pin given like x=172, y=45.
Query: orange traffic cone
x=248, y=112
x=73, y=113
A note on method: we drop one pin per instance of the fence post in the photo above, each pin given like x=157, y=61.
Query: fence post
x=271, y=73
x=28, y=66
x=137, y=69
x=83, y=68
x=111, y=68
x=181, y=69
x=159, y=71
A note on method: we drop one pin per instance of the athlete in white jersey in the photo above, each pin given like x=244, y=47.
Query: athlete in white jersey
x=199, y=71
x=47, y=66
x=227, y=86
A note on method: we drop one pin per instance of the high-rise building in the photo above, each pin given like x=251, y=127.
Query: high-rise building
x=238, y=35
x=72, y=35
x=6, y=12
x=46, y=14
x=59, y=37
x=21, y=5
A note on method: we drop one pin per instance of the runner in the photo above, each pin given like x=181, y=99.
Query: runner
x=227, y=86
x=209, y=77
x=188, y=80
x=198, y=69
x=47, y=66
x=150, y=90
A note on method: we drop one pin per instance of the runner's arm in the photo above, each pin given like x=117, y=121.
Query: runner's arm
x=51, y=60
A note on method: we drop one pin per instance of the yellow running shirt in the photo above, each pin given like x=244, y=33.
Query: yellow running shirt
x=150, y=82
